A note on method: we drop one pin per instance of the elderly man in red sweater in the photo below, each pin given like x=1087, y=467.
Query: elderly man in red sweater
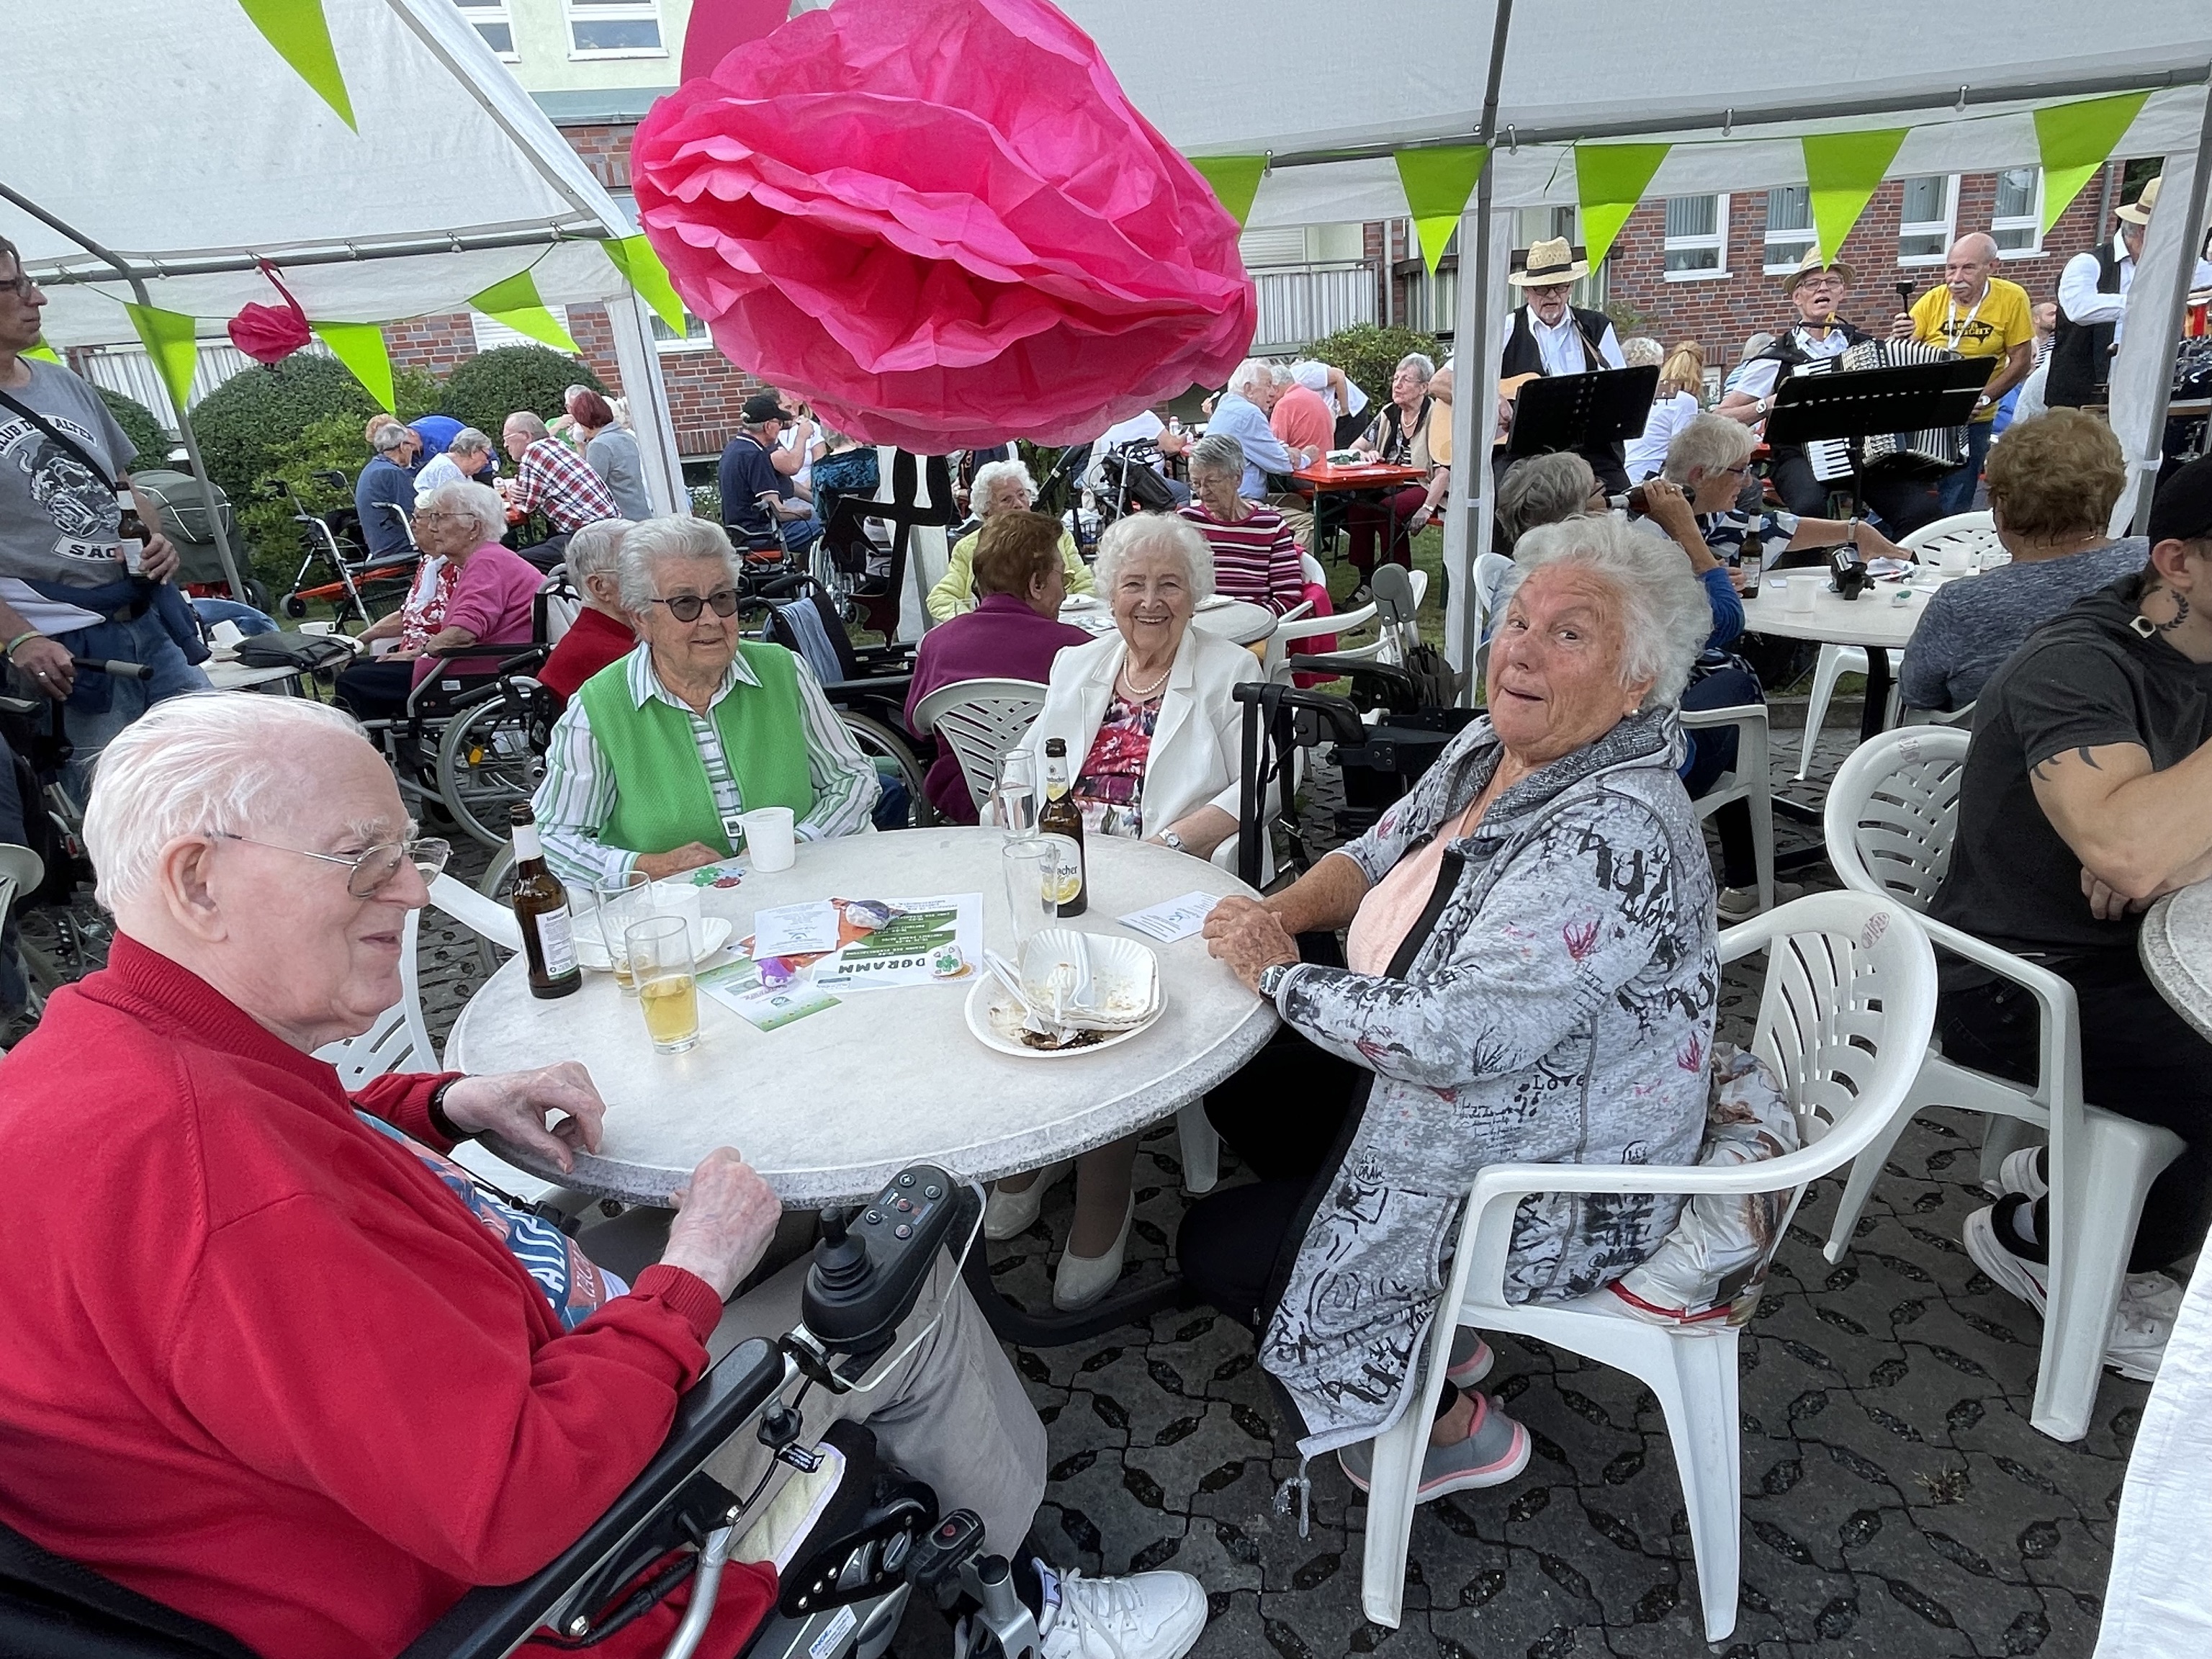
x=268, y=1357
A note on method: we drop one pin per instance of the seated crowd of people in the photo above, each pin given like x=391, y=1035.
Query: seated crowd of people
x=351, y=1383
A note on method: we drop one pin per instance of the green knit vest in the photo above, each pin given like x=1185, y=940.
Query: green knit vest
x=662, y=798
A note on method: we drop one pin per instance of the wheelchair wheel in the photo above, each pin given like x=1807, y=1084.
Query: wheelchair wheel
x=879, y=741
x=492, y=754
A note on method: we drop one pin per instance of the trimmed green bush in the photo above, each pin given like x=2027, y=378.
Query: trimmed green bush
x=333, y=441
x=485, y=390
x=1369, y=354
x=243, y=422
x=149, y=437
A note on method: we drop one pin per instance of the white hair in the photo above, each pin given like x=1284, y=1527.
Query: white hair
x=207, y=762
x=993, y=477
x=1249, y=374
x=467, y=499
x=676, y=537
x=1218, y=451
x=592, y=550
x=1541, y=490
x=1151, y=532
x=1665, y=615
x=1420, y=363
x=468, y=441
x=1640, y=350
x=392, y=436
x=1713, y=442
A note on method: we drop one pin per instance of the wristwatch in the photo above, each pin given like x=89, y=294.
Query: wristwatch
x=1271, y=977
x=1168, y=838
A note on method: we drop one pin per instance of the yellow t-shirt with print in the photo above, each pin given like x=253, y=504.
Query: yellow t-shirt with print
x=1993, y=328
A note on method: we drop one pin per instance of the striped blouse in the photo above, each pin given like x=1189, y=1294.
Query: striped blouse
x=1253, y=558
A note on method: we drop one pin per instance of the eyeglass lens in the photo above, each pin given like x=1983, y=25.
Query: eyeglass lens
x=686, y=607
x=373, y=870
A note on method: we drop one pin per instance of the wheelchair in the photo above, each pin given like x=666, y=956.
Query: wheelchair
x=844, y=1581
x=865, y=684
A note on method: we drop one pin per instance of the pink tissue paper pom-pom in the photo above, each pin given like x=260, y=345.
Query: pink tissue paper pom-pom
x=942, y=222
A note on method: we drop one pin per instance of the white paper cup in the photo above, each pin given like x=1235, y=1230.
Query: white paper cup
x=324, y=627
x=769, y=838
x=1953, y=561
x=1804, y=590
x=678, y=895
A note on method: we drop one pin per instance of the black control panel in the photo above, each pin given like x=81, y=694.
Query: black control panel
x=871, y=1263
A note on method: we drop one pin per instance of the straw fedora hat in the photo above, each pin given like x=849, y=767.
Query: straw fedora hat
x=1547, y=263
x=1812, y=264
x=2137, y=212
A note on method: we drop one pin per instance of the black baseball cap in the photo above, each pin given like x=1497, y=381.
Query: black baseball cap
x=765, y=406
x=2182, y=510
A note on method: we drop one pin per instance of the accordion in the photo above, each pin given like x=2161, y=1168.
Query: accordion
x=1937, y=449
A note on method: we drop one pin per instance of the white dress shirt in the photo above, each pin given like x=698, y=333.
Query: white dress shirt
x=1561, y=345
x=2081, y=302
x=1756, y=378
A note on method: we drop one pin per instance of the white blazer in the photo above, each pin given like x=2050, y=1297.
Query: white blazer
x=1197, y=749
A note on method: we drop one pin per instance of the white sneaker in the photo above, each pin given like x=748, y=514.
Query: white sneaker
x=1742, y=903
x=1146, y=1615
x=2019, y=1173
x=1009, y=1215
x=2024, y=1278
x=2141, y=1325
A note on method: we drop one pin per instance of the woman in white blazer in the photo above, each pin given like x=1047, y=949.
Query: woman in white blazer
x=1154, y=742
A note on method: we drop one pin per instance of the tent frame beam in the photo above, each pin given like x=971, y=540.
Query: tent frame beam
x=223, y=264
x=184, y=421
x=2192, y=240
x=1740, y=116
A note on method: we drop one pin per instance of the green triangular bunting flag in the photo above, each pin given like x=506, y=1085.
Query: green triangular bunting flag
x=44, y=352
x=1610, y=179
x=1235, y=179
x=515, y=303
x=642, y=268
x=1438, y=184
x=301, y=35
x=360, y=347
x=168, y=338
x=2075, y=140
x=1842, y=171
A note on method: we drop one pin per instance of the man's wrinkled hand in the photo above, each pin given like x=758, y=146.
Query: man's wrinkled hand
x=552, y=1110
x=726, y=1215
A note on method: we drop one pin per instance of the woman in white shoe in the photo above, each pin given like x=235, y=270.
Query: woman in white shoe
x=1147, y=709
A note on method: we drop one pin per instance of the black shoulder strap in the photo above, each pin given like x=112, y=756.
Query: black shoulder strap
x=99, y=467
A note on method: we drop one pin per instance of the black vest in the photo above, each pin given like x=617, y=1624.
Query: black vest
x=2081, y=354
x=1786, y=351
x=1523, y=356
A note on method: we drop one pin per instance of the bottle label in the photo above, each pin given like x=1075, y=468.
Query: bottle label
x=133, y=552
x=526, y=843
x=556, y=942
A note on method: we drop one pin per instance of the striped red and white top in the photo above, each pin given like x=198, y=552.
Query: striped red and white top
x=1253, y=558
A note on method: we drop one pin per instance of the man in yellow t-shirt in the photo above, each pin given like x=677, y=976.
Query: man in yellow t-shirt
x=1977, y=314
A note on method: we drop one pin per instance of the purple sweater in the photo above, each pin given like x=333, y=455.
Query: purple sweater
x=1001, y=639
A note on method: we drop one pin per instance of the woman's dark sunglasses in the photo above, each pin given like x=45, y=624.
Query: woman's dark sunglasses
x=686, y=607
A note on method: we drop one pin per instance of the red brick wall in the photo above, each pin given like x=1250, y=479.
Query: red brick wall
x=1720, y=312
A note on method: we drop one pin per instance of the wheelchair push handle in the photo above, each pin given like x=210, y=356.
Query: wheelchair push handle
x=112, y=667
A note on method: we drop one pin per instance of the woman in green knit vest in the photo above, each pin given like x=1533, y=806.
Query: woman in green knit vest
x=659, y=752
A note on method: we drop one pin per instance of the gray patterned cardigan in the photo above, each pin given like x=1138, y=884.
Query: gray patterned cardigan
x=1560, y=1011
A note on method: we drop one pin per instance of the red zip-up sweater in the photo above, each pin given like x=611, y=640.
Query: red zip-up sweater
x=257, y=1363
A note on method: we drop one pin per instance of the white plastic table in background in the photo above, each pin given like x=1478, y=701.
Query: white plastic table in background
x=1875, y=622
x=2176, y=947
x=831, y=1107
x=1237, y=620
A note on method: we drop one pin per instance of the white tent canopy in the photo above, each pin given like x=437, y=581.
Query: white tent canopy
x=1730, y=84
x=175, y=137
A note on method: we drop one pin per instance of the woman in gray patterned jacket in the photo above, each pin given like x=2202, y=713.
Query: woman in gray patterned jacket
x=1532, y=979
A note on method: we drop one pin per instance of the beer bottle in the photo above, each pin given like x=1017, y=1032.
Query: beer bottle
x=130, y=531
x=541, y=907
x=1062, y=816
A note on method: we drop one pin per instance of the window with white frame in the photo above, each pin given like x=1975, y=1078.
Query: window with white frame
x=615, y=28
x=491, y=334
x=695, y=337
x=2017, y=220
x=1923, y=222
x=492, y=22
x=1789, y=226
x=1697, y=237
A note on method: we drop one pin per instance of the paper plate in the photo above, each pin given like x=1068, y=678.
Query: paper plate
x=591, y=953
x=1126, y=975
x=995, y=1018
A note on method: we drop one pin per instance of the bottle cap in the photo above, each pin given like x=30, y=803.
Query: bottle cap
x=519, y=812
x=1056, y=746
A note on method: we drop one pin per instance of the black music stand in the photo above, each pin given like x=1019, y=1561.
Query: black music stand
x=1910, y=397
x=1581, y=412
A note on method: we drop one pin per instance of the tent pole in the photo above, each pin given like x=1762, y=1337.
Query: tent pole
x=651, y=418
x=2177, y=304
x=184, y=421
x=1467, y=507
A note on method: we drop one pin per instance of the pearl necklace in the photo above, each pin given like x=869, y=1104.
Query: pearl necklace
x=1147, y=695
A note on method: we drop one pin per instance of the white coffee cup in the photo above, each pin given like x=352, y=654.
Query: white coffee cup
x=1804, y=590
x=769, y=838
x=1953, y=561
x=678, y=895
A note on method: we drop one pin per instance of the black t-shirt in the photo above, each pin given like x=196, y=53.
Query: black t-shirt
x=2083, y=679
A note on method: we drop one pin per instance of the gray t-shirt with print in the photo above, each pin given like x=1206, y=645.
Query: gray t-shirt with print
x=56, y=518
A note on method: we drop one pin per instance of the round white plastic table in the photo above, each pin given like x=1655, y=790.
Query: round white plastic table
x=829, y=1108
x=1236, y=620
x=1875, y=621
x=2176, y=947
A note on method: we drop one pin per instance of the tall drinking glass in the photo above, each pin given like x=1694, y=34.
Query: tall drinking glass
x=660, y=960
x=622, y=902
x=1032, y=871
x=1014, y=797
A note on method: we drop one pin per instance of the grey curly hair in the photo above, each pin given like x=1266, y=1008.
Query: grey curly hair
x=994, y=476
x=1143, y=532
x=1665, y=616
x=676, y=537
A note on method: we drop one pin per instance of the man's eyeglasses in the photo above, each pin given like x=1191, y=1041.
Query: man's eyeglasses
x=369, y=871
x=686, y=607
x=21, y=286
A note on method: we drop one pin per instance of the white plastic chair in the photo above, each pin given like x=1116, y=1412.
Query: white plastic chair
x=1289, y=631
x=1849, y=1003
x=1748, y=781
x=20, y=871
x=1891, y=816
x=980, y=720
x=1976, y=532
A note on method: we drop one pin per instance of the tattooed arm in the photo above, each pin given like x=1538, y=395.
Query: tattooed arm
x=2139, y=832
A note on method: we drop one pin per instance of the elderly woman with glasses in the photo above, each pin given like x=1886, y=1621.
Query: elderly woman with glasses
x=1532, y=975
x=999, y=487
x=482, y=592
x=1255, y=557
x=1709, y=460
x=660, y=751
x=1399, y=436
